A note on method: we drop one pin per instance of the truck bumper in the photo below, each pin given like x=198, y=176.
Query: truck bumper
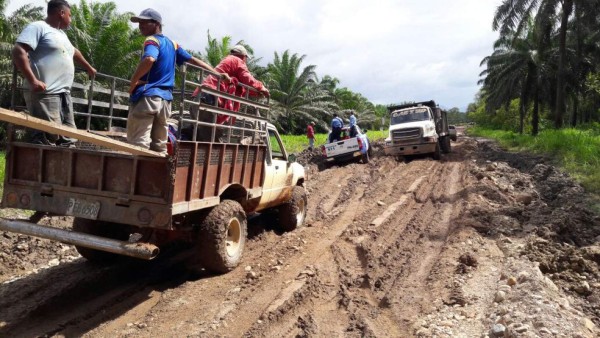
x=410, y=149
x=344, y=157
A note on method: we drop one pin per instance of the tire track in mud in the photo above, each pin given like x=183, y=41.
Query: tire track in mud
x=416, y=248
x=77, y=297
x=329, y=279
x=303, y=317
x=369, y=294
x=344, y=301
x=229, y=309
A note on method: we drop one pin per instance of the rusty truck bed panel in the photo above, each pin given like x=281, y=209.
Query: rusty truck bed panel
x=129, y=189
x=204, y=170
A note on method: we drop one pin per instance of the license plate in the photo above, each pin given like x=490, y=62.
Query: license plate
x=82, y=208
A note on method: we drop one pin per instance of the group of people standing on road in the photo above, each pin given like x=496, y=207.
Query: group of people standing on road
x=45, y=57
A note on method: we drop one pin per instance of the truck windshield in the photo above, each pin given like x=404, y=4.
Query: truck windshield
x=410, y=115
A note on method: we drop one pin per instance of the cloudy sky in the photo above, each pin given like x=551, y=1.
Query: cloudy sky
x=388, y=50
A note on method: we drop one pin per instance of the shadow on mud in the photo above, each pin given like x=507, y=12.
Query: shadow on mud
x=74, y=298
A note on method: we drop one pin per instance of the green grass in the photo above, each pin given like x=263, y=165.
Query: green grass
x=577, y=151
x=297, y=143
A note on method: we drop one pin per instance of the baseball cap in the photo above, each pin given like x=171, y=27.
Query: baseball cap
x=147, y=14
x=239, y=49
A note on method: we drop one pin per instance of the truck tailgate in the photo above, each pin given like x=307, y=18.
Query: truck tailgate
x=341, y=147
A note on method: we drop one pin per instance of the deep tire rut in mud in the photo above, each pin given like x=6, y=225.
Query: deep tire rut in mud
x=467, y=246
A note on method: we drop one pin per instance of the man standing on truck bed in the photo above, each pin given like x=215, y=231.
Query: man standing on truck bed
x=151, y=87
x=44, y=55
x=352, y=124
x=336, y=128
x=235, y=66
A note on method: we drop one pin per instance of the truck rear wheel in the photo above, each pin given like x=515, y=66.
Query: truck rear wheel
x=293, y=213
x=222, y=237
x=445, y=144
x=102, y=229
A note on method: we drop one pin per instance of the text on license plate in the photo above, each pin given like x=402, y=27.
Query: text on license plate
x=82, y=208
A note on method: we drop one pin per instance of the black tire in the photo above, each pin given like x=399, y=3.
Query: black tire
x=437, y=153
x=293, y=213
x=370, y=151
x=445, y=144
x=222, y=237
x=103, y=229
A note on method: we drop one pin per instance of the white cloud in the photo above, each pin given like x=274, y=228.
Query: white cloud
x=387, y=50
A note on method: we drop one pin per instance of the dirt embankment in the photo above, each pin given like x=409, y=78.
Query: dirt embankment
x=482, y=243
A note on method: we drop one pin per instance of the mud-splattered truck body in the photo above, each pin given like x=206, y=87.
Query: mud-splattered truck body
x=417, y=128
x=240, y=167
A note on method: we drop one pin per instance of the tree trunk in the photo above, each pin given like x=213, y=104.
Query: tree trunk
x=575, y=111
x=567, y=8
x=535, y=119
x=521, y=115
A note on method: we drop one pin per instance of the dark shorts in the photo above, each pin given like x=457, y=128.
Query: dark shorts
x=57, y=108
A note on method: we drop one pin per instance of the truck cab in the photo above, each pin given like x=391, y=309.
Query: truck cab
x=417, y=128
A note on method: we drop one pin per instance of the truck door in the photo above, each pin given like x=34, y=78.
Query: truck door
x=277, y=178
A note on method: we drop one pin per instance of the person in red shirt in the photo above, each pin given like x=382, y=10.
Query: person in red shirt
x=310, y=133
x=235, y=66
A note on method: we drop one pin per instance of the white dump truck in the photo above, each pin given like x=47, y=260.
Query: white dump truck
x=418, y=128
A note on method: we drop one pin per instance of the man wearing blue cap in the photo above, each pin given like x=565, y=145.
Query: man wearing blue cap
x=151, y=88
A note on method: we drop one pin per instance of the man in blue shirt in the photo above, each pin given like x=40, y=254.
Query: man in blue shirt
x=336, y=128
x=352, y=124
x=151, y=87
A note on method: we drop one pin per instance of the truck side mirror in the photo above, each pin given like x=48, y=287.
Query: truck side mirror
x=291, y=158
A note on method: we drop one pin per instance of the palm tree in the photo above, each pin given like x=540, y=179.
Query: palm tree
x=516, y=70
x=296, y=96
x=105, y=37
x=513, y=15
x=10, y=27
x=216, y=51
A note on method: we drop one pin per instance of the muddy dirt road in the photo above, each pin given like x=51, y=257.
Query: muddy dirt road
x=482, y=243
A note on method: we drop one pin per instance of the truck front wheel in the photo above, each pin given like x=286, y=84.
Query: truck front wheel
x=437, y=153
x=293, y=213
x=103, y=229
x=445, y=144
x=222, y=237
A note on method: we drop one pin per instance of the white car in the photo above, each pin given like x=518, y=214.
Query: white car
x=453, y=133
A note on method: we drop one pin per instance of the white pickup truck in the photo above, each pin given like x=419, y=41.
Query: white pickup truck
x=348, y=148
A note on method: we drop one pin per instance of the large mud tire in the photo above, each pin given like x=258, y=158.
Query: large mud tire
x=222, y=237
x=445, y=144
x=437, y=153
x=293, y=213
x=103, y=229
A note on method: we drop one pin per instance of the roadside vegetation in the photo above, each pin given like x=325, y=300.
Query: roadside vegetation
x=575, y=150
x=298, y=143
x=541, y=85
